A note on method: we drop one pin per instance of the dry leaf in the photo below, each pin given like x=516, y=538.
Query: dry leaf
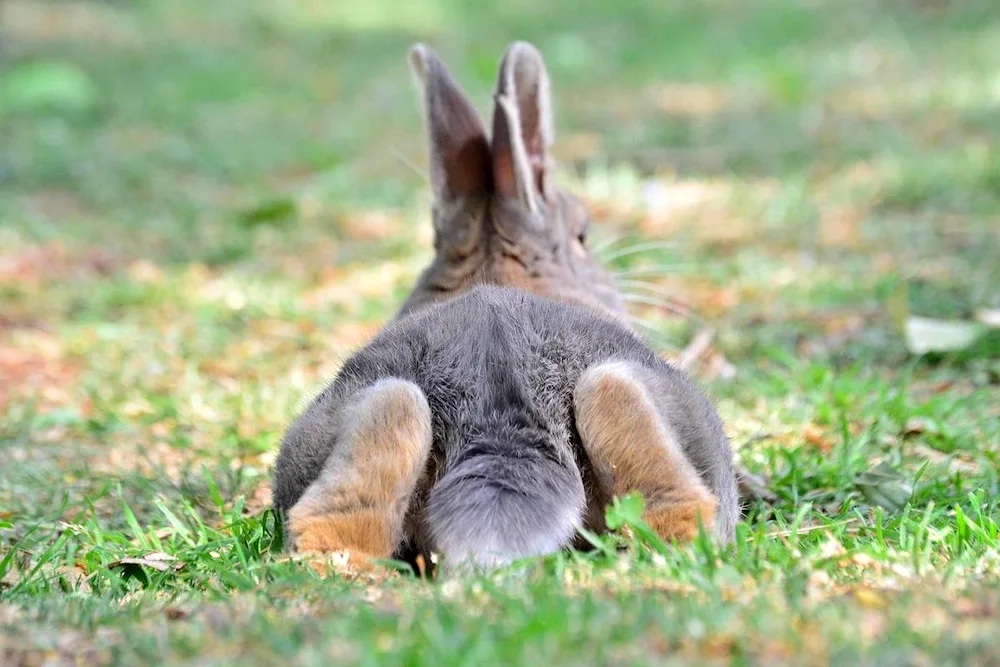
x=925, y=334
x=815, y=436
x=175, y=613
x=156, y=560
x=951, y=460
x=697, y=347
x=372, y=225
x=841, y=227
x=831, y=548
x=260, y=500
x=989, y=317
x=144, y=271
x=76, y=576
x=754, y=487
x=870, y=598
x=683, y=99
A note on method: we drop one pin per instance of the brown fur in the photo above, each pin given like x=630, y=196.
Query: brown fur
x=499, y=253
x=498, y=220
x=359, y=501
x=632, y=447
x=366, y=534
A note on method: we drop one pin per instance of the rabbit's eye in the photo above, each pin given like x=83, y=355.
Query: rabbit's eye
x=582, y=238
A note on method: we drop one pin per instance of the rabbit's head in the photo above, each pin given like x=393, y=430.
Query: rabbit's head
x=498, y=218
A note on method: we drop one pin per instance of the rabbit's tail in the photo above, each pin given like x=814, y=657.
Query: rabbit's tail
x=503, y=501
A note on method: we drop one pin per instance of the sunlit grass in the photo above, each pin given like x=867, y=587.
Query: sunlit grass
x=188, y=256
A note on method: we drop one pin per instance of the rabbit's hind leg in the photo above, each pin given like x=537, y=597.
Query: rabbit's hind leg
x=359, y=501
x=632, y=447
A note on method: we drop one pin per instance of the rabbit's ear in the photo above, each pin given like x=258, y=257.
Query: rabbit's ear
x=459, y=150
x=522, y=126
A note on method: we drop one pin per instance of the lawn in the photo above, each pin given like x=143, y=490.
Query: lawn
x=205, y=206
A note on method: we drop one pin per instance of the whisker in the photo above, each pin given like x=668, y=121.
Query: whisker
x=643, y=284
x=409, y=163
x=695, y=349
x=661, y=269
x=606, y=244
x=648, y=325
x=639, y=248
x=661, y=338
x=644, y=323
x=662, y=303
x=655, y=290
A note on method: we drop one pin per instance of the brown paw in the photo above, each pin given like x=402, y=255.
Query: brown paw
x=362, y=533
x=679, y=521
x=343, y=564
x=358, y=503
x=633, y=447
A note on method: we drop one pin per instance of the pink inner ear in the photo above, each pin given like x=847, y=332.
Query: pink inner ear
x=467, y=167
x=460, y=152
x=521, y=128
x=504, y=171
x=536, y=159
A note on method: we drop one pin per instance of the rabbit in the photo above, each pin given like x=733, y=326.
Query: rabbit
x=508, y=401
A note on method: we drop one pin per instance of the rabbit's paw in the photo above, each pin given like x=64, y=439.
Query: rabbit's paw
x=358, y=502
x=363, y=534
x=679, y=520
x=633, y=447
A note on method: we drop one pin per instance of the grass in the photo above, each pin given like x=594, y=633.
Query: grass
x=218, y=203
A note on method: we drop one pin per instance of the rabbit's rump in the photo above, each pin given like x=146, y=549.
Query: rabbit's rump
x=506, y=473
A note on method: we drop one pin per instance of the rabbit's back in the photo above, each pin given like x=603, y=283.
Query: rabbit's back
x=491, y=359
x=497, y=358
x=498, y=354
x=498, y=368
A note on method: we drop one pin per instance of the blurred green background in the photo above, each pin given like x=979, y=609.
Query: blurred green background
x=167, y=119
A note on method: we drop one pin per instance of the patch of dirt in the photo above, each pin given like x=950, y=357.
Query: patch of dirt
x=38, y=369
x=684, y=99
x=47, y=23
x=37, y=266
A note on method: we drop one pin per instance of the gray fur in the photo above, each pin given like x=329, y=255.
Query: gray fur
x=522, y=127
x=459, y=151
x=498, y=367
x=507, y=475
